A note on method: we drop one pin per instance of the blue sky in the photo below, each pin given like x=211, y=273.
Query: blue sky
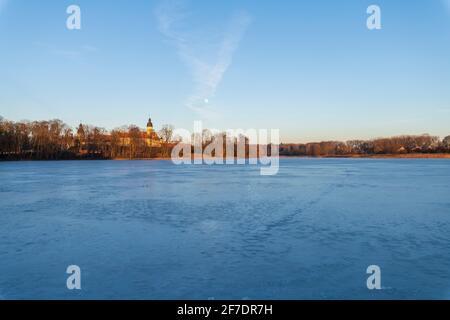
x=311, y=69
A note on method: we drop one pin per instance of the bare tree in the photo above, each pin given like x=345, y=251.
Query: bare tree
x=446, y=143
x=136, y=142
x=166, y=135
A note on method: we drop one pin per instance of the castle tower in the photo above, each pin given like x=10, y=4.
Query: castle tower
x=149, y=127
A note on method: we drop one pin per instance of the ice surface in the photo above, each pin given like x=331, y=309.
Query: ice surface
x=153, y=230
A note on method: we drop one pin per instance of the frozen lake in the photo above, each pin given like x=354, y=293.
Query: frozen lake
x=152, y=230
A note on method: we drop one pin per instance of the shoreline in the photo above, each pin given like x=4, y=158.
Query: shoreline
x=378, y=156
x=353, y=156
x=396, y=156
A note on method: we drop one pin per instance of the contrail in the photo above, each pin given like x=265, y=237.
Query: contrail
x=207, y=76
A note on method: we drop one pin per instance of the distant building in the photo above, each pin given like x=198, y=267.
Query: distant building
x=152, y=139
x=149, y=136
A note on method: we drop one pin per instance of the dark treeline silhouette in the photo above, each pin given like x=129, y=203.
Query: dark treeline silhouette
x=55, y=140
x=405, y=144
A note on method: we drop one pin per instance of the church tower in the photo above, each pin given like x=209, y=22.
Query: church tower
x=149, y=127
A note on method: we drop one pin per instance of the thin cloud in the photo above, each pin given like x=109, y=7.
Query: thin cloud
x=75, y=53
x=207, y=75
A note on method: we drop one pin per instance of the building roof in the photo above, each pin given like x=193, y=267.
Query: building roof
x=143, y=135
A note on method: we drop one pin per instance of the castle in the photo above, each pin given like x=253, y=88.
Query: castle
x=152, y=139
x=149, y=136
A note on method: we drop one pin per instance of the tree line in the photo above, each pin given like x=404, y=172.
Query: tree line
x=405, y=144
x=55, y=140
